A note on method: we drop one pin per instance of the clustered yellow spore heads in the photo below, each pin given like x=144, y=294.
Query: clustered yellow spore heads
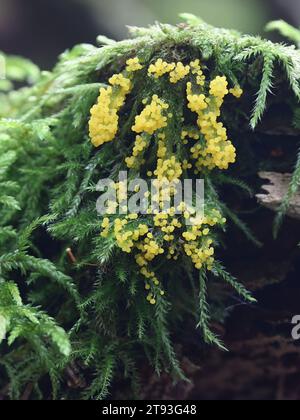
x=133, y=65
x=237, y=91
x=218, y=87
x=198, y=245
x=217, y=151
x=160, y=68
x=177, y=71
x=136, y=159
x=169, y=235
x=169, y=169
x=152, y=117
x=196, y=102
x=126, y=238
x=119, y=80
x=104, y=120
x=180, y=72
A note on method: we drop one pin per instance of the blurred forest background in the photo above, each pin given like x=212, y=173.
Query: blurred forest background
x=42, y=29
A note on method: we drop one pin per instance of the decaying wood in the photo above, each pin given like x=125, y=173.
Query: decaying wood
x=75, y=379
x=275, y=192
x=27, y=392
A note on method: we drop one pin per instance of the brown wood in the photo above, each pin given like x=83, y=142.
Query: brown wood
x=275, y=191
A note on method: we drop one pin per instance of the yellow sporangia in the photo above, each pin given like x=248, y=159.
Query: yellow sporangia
x=160, y=68
x=170, y=234
x=104, y=120
x=152, y=117
x=133, y=64
x=180, y=72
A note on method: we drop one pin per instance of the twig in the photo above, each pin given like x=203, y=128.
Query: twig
x=27, y=392
x=71, y=256
x=75, y=379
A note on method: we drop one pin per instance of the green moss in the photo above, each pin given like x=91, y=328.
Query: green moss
x=48, y=173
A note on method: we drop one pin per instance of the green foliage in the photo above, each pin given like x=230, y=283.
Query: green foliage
x=271, y=54
x=292, y=34
x=205, y=318
x=48, y=174
x=17, y=69
x=286, y=30
x=20, y=321
x=219, y=271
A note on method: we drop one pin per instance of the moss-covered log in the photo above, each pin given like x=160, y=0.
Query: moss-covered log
x=83, y=317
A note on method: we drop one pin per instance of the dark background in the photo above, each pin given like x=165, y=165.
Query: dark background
x=42, y=29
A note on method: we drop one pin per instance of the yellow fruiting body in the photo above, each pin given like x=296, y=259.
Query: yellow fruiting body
x=160, y=68
x=180, y=72
x=124, y=83
x=133, y=65
x=218, y=151
x=237, y=91
x=152, y=117
x=206, y=147
x=218, y=87
x=139, y=147
x=104, y=121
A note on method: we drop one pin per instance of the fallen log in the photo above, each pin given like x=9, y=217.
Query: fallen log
x=275, y=191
